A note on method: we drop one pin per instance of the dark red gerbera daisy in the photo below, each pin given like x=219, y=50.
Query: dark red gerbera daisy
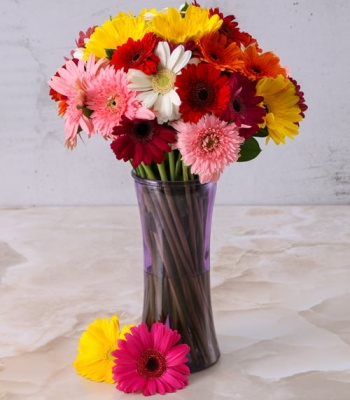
x=80, y=42
x=300, y=94
x=243, y=107
x=141, y=140
x=202, y=89
x=137, y=54
x=230, y=29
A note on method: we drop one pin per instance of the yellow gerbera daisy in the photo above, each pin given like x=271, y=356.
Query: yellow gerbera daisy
x=94, y=360
x=282, y=109
x=175, y=27
x=115, y=32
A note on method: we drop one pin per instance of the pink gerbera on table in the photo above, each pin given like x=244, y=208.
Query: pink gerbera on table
x=151, y=361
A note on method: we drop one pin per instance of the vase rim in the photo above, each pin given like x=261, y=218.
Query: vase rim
x=159, y=183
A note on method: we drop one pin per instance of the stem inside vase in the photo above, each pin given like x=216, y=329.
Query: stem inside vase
x=176, y=224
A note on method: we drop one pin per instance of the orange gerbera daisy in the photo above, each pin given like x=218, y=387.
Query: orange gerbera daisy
x=266, y=65
x=215, y=50
x=61, y=99
x=62, y=107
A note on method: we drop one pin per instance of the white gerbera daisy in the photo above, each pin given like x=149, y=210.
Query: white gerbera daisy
x=157, y=92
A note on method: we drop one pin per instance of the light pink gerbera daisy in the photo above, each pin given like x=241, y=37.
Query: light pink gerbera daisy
x=208, y=146
x=71, y=81
x=109, y=98
x=151, y=361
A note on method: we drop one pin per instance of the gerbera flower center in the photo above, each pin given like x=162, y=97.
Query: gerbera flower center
x=113, y=102
x=163, y=81
x=236, y=105
x=256, y=70
x=135, y=56
x=151, y=364
x=109, y=356
x=210, y=141
x=214, y=56
x=202, y=95
x=105, y=353
x=142, y=132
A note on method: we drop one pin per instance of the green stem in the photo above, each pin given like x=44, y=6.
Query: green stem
x=178, y=167
x=139, y=171
x=162, y=171
x=149, y=172
x=184, y=172
x=171, y=159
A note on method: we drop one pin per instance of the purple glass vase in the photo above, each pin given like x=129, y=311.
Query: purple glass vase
x=176, y=225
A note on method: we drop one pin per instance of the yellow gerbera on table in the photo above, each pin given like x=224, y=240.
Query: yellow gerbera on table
x=94, y=360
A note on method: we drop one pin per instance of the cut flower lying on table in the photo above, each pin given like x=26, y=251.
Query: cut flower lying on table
x=181, y=93
x=135, y=358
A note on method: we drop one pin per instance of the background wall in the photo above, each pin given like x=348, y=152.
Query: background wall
x=310, y=36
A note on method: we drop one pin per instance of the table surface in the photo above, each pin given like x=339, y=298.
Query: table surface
x=280, y=279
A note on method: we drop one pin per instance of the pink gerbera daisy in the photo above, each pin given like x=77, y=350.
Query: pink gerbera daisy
x=151, y=361
x=110, y=98
x=71, y=81
x=208, y=146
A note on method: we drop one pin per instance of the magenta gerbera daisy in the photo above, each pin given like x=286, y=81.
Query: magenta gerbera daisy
x=151, y=361
x=109, y=98
x=208, y=146
x=244, y=107
x=142, y=141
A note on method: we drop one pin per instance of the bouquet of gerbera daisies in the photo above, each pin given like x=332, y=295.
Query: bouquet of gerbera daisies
x=180, y=93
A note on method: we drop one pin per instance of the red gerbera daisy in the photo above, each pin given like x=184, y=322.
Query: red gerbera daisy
x=243, y=107
x=137, y=54
x=230, y=29
x=151, y=361
x=142, y=141
x=202, y=89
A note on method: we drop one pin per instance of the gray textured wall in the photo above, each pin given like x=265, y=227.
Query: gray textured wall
x=310, y=36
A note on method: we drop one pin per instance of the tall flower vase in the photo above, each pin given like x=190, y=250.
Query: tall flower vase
x=176, y=226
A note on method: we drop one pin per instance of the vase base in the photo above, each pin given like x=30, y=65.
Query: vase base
x=206, y=357
x=198, y=368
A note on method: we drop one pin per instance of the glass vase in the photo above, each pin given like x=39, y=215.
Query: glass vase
x=176, y=225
